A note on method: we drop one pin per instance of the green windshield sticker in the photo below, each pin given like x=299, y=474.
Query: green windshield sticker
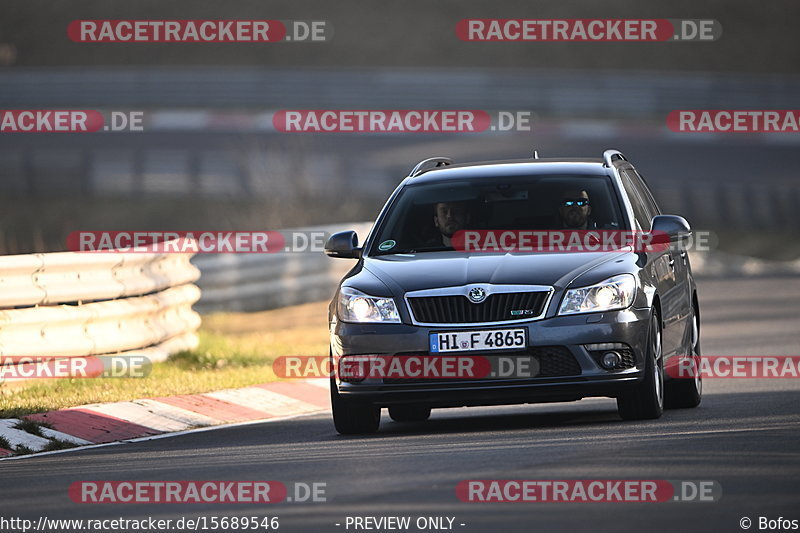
x=386, y=245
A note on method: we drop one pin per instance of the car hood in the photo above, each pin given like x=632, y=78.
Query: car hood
x=403, y=273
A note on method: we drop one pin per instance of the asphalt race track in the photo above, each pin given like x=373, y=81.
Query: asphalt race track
x=744, y=436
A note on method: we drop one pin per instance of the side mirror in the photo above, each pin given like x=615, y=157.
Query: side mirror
x=677, y=228
x=343, y=244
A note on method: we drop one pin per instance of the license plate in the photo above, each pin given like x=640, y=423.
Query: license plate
x=473, y=341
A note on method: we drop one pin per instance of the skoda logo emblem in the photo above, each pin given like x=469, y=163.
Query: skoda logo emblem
x=477, y=295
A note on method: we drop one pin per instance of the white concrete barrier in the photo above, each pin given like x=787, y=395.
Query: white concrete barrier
x=68, y=304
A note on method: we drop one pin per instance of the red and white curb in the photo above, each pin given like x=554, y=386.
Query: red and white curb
x=110, y=422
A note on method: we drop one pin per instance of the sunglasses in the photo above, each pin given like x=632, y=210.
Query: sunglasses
x=579, y=202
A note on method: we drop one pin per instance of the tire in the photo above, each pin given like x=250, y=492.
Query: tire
x=409, y=413
x=685, y=393
x=351, y=417
x=646, y=400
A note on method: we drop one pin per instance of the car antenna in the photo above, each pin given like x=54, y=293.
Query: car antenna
x=536, y=154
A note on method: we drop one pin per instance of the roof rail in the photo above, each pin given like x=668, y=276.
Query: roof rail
x=610, y=155
x=427, y=164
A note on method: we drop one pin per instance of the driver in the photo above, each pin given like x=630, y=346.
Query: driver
x=450, y=217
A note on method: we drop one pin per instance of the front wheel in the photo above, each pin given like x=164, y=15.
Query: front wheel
x=646, y=401
x=352, y=417
x=685, y=393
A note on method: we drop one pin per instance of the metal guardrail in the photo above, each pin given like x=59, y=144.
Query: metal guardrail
x=69, y=304
x=254, y=282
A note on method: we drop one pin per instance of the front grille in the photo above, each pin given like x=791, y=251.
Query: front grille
x=459, y=309
x=554, y=361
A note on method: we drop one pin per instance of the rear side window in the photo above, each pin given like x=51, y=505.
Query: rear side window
x=642, y=212
x=645, y=192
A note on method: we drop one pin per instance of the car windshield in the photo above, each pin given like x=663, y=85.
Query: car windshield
x=425, y=216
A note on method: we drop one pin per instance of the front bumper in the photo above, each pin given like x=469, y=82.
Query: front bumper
x=570, y=334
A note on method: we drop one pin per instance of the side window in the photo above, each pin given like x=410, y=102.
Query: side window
x=641, y=212
x=645, y=193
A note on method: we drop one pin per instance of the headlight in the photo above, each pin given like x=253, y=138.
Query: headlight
x=355, y=306
x=613, y=293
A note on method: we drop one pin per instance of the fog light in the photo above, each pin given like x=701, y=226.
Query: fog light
x=610, y=360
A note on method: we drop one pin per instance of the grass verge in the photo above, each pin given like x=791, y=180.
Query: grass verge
x=236, y=350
